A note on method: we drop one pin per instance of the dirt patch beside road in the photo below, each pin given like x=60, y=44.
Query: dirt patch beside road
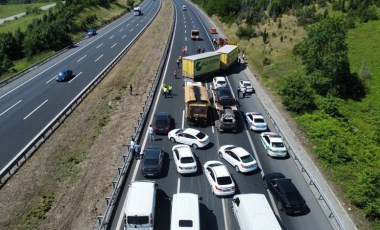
x=64, y=184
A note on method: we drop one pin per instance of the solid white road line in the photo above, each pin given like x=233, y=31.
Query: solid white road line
x=178, y=184
x=36, y=109
x=183, y=119
x=226, y=224
x=10, y=108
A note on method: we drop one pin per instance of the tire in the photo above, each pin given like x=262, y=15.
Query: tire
x=265, y=184
x=220, y=155
x=237, y=168
x=195, y=146
x=172, y=139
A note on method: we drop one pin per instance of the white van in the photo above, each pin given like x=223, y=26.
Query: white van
x=141, y=202
x=253, y=212
x=185, y=212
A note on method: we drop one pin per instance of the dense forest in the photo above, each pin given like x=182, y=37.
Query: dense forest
x=319, y=95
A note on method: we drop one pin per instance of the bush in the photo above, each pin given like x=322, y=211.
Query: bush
x=266, y=61
x=297, y=95
x=245, y=32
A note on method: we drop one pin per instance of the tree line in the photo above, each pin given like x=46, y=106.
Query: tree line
x=51, y=32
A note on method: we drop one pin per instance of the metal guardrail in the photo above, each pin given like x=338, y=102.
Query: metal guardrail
x=103, y=220
x=303, y=169
x=12, y=167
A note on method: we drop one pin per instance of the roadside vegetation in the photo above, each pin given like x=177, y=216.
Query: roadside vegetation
x=40, y=33
x=320, y=59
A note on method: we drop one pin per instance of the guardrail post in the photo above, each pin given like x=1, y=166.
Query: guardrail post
x=311, y=182
x=108, y=200
x=114, y=184
x=141, y=114
x=120, y=170
x=100, y=218
x=125, y=158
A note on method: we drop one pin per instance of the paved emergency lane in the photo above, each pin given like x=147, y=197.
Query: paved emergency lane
x=215, y=212
x=29, y=103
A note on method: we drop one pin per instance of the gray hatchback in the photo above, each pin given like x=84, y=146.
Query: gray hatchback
x=152, y=161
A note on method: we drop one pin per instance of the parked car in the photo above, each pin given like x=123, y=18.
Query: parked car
x=64, y=75
x=183, y=7
x=273, y=144
x=219, y=178
x=223, y=96
x=189, y=136
x=247, y=85
x=152, y=161
x=238, y=157
x=184, y=159
x=286, y=195
x=219, y=82
x=256, y=121
x=161, y=123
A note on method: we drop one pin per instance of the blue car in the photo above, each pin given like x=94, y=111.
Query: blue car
x=91, y=32
x=64, y=75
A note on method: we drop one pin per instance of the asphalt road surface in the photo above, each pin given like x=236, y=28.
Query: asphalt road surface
x=29, y=103
x=216, y=213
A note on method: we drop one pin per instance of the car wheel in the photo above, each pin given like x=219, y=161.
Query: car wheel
x=279, y=205
x=195, y=146
x=237, y=168
x=220, y=155
x=172, y=139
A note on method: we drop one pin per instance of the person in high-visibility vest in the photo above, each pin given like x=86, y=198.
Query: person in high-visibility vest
x=165, y=89
x=170, y=87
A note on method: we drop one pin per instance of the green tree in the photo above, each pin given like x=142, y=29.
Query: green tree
x=297, y=95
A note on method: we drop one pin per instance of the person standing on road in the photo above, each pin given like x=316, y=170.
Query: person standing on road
x=203, y=50
x=177, y=63
x=130, y=89
x=137, y=150
x=238, y=91
x=151, y=133
x=165, y=89
x=170, y=87
x=175, y=74
x=132, y=146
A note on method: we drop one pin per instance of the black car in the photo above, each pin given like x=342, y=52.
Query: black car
x=161, y=123
x=64, y=75
x=285, y=193
x=223, y=96
x=152, y=161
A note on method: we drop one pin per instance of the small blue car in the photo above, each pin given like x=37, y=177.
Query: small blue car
x=91, y=32
x=64, y=75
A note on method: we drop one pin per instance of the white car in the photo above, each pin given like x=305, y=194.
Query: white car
x=219, y=82
x=238, y=157
x=247, y=85
x=189, y=136
x=273, y=144
x=256, y=121
x=184, y=7
x=219, y=178
x=184, y=159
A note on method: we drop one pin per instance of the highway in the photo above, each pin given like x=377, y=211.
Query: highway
x=29, y=103
x=215, y=212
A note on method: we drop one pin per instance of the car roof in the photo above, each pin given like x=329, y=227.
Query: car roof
x=240, y=151
x=152, y=152
x=219, y=78
x=246, y=82
x=273, y=136
x=191, y=131
x=255, y=114
x=220, y=170
x=184, y=151
x=162, y=114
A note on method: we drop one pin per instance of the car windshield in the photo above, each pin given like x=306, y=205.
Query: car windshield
x=161, y=120
x=230, y=148
x=259, y=120
x=151, y=162
x=179, y=131
x=247, y=84
x=187, y=160
x=246, y=159
x=278, y=144
x=138, y=220
x=225, y=180
x=201, y=135
x=224, y=92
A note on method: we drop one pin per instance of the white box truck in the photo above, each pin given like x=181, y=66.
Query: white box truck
x=253, y=212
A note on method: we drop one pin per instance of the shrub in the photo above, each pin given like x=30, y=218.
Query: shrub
x=245, y=32
x=266, y=61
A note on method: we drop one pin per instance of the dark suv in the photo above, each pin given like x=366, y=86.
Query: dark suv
x=285, y=193
x=223, y=96
x=152, y=161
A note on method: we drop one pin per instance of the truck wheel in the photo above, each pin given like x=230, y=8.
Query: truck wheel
x=220, y=155
x=172, y=139
x=195, y=146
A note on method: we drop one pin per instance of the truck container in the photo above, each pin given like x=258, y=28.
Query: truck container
x=194, y=34
x=228, y=56
x=197, y=103
x=202, y=64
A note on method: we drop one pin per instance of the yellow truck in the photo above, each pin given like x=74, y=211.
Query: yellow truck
x=228, y=56
x=202, y=64
x=197, y=103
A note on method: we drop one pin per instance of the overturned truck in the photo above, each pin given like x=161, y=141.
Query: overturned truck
x=197, y=104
